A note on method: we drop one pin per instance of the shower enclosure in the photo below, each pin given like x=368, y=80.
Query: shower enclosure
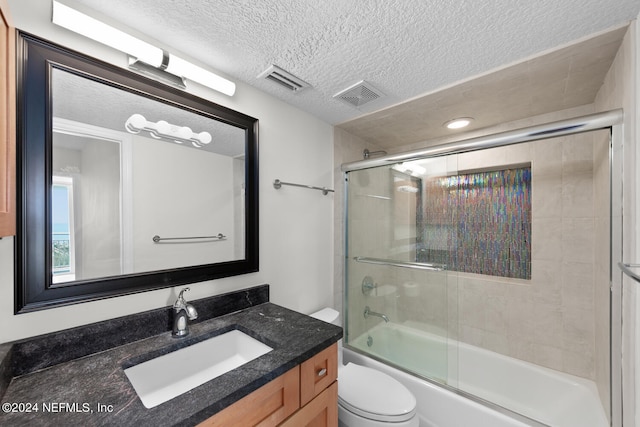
x=485, y=267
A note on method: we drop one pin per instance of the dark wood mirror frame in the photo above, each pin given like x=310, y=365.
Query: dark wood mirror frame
x=33, y=278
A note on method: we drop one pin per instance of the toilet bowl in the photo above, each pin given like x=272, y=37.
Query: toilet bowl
x=369, y=398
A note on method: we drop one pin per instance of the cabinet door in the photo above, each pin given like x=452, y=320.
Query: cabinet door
x=265, y=407
x=318, y=373
x=322, y=411
x=7, y=124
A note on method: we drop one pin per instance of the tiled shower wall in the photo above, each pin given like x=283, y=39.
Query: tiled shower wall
x=550, y=319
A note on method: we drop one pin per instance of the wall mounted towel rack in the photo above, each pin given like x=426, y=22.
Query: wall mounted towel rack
x=626, y=269
x=277, y=184
x=219, y=236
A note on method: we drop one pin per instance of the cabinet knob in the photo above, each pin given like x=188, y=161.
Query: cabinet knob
x=322, y=372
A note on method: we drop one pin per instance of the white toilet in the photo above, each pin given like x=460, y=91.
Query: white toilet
x=369, y=398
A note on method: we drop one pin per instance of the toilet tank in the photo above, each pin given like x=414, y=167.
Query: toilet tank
x=328, y=315
x=332, y=316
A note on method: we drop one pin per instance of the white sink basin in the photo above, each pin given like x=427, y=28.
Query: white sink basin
x=172, y=374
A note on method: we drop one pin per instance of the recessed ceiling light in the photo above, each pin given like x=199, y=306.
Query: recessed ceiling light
x=458, y=123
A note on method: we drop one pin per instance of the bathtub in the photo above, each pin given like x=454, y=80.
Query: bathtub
x=531, y=392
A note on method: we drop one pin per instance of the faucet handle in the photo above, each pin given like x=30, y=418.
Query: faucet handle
x=192, y=313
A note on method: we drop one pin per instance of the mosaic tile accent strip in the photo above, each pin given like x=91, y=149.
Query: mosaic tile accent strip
x=479, y=222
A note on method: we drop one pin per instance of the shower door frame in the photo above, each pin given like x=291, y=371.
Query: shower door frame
x=611, y=120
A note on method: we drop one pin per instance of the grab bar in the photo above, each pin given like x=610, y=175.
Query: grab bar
x=626, y=269
x=219, y=236
x=405, y=264
x=277, y=184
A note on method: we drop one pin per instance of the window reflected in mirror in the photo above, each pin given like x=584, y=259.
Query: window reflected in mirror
x=63, y=248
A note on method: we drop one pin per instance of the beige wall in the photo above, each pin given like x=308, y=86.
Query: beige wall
x=549, y=320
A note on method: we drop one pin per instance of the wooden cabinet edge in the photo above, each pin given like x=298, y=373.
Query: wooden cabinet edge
x=7, y=124
x=267, y=406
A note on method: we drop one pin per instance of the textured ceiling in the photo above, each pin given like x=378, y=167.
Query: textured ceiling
x=403, y=48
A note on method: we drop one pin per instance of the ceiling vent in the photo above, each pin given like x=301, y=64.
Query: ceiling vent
x=283, y=78
x=359, y=94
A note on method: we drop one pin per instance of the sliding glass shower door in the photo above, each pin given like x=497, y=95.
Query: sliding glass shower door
x=489, y=272
x=398, y=307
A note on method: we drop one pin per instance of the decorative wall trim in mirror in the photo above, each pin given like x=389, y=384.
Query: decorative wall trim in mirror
x=93, y=191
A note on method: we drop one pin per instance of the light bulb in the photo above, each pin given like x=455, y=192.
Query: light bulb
x=205, y=138
x=160, y=129
x=135, y=123
x=184, y=132
x=458, y=123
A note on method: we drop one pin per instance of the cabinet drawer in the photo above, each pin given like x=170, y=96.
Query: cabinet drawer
x=320, y=412
x=318, y=373
x=267, y=406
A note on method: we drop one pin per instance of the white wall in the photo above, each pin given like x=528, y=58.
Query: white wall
x=175, y=195
x=97, y=208
x=296, y=247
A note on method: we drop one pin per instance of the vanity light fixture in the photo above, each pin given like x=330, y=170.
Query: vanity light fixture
x=144, y=52
x=458, y=123
x=164, y=130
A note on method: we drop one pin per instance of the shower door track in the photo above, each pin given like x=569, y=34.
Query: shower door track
x=581, y=124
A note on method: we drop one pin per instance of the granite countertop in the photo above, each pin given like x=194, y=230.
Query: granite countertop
x=93, y=390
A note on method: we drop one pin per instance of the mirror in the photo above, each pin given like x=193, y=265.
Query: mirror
x=126, y=185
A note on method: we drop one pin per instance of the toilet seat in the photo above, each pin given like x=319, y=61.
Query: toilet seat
x=374, y=395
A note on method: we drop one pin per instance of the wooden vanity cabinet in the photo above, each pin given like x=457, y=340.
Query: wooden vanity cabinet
x=320, y=412
x=318, y=373
x=7, y=123
x=307, y=395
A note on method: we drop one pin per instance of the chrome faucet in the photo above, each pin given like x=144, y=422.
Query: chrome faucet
x=368, y=312
x=183, y=312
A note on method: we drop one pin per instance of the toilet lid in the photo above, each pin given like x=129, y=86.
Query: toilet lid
x=374, y=395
